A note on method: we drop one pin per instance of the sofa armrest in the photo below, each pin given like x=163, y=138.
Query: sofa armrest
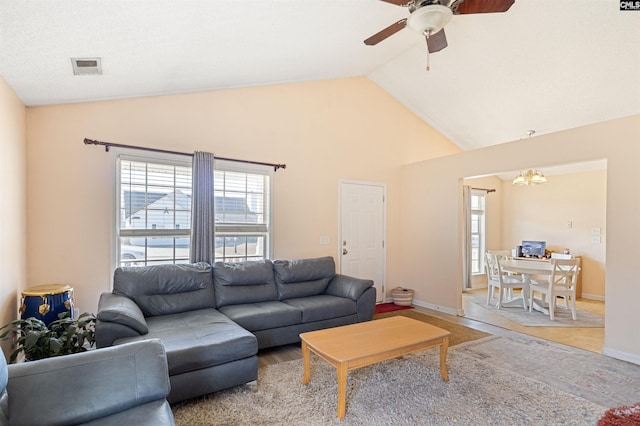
x=348, y=287
x=83, y=387
x=118, y=317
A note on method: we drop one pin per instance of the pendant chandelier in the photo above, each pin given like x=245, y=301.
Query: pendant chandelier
x=529, y=177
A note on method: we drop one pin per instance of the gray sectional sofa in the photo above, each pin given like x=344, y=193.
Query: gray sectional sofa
x=213, y=319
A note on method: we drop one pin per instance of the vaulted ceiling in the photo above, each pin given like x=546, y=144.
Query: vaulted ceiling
x=547, y=65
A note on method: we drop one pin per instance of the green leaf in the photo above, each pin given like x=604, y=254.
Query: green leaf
x=31, y=338
x=63, y=336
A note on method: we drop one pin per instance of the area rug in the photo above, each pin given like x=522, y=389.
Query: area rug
x=382, y=308
x=483, y=389
x=597, y=378
x=459, y=333
x=562, y=317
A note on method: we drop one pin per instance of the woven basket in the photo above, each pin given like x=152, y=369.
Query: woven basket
x=402, y=296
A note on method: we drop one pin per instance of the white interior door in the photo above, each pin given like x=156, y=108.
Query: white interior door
x=362, y=232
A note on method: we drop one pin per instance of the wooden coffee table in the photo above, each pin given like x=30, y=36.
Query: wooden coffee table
x=353, y=346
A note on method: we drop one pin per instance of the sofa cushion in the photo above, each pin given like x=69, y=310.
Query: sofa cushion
x=199, y=339
x=239, y=283
x=322, y=307
x=303, y=277
x=166, y=289
x=263, y=315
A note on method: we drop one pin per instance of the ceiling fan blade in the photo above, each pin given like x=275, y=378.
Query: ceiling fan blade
x=398, y=2
x=436, y=42
x=387, y=32
x=461, y=7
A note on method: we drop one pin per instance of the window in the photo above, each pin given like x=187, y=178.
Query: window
x=477, y=231
x=242, y=211
x=154, y=210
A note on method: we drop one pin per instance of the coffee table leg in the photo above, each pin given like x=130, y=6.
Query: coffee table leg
x=443, y=358
x=342, y=389
x=306, y=355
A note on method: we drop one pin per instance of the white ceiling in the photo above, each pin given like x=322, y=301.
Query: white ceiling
x=546, y=65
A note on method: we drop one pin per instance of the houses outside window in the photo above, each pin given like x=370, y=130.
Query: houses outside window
x=478, y=199
x=242, y=211
x=154, y=210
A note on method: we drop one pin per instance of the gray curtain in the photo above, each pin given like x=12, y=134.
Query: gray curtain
x=202, y=209
x=466, y=237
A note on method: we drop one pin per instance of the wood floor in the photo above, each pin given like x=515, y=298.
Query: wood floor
x=591, y=339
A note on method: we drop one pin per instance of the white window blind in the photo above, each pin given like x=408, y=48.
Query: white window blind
x=154, y=210
x=242, y=211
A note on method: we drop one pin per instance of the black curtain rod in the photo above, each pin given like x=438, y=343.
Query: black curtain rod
x=108, y=145
x=484, y=189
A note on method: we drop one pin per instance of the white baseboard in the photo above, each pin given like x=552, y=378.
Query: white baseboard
x=592, y=297
x=624, y=356
x=438, y=308
x=444, y=309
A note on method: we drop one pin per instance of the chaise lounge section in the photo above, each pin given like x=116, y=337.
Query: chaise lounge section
x=213, y=319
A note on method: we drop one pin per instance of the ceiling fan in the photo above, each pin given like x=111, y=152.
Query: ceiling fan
x=428, y=17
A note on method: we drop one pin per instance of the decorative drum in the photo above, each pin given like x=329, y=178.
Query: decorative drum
x=45, y=302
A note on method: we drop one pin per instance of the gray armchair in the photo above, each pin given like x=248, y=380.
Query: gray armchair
x=121, y=385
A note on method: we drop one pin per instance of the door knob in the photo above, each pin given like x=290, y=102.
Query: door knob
x=345, y=251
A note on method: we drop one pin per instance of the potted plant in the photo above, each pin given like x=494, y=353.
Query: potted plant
x=63, y=336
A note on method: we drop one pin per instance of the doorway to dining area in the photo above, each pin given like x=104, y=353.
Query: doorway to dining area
x=568, y=212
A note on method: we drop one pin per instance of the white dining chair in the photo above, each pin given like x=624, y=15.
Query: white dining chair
x=505, y=254
x=562, y=283
x=500, y=280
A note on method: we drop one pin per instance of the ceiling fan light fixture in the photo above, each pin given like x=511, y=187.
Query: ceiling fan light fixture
x=429, y=19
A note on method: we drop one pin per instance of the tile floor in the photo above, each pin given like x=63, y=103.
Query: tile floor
x=591, y=339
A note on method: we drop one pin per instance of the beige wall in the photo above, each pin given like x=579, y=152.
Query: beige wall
x=431, y=211
x=324, y=131
x=13, y=175
x=542, y=213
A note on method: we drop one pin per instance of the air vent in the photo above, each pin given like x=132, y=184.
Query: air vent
x=86, y=66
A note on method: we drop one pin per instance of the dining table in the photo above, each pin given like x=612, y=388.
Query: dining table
x=527, y=268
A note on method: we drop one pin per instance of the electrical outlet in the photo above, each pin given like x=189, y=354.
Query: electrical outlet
x=595, y=239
